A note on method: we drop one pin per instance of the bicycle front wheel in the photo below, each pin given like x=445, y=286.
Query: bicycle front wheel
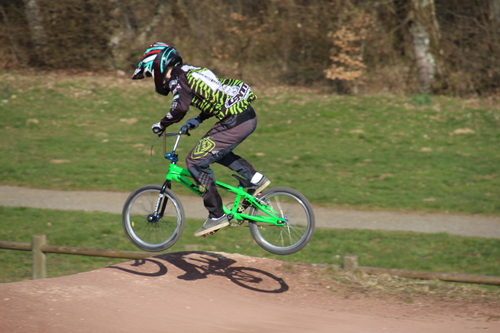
x=298, y=229
x=147, y=230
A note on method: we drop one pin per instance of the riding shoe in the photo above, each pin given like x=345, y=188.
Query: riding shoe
x=259, y=186
x=212, y=225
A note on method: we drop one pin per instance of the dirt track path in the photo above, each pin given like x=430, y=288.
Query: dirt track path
x=196, y=292
x=112, y=202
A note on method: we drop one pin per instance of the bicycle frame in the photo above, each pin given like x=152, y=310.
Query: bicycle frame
x=183, y=176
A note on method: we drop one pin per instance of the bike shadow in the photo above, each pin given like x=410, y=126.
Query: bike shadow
x=199, y=265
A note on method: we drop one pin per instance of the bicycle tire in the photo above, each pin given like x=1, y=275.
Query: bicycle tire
x=157, y=235
x=299, y=228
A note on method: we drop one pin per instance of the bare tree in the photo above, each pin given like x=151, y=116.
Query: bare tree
x=160, y=14
x=424, y=30
x=123, y=29
x=289, y=41
x=36, y=27
x=495, y=12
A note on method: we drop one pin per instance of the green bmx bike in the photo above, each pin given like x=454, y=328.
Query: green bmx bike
x=280, y=219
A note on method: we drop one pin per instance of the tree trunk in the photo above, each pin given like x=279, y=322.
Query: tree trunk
x=424, y=30
x=161, y=14
x=495, y=13
x=123, y=28
x=37, y=30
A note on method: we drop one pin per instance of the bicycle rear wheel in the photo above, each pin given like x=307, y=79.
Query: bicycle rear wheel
x=147, y=231
x=298, y=229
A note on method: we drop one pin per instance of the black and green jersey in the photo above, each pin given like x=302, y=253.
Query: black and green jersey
x=201, y=88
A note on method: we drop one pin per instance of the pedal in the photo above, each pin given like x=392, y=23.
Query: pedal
x=209, y=233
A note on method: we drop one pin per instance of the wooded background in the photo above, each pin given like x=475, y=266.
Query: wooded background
x=345, y=46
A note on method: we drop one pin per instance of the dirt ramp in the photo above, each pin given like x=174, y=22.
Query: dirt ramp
x=211, y=292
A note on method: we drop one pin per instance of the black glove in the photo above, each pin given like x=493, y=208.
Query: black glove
x=193, y=123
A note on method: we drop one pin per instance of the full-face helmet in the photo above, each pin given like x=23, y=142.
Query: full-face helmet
x=155, y=62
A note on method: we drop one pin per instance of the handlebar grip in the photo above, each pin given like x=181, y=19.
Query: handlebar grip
x=185, y=130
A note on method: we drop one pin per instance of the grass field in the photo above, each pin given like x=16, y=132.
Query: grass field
x=366, y=152
x=361, y=152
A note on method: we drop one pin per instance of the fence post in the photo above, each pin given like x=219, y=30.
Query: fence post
x=350, y=262
x=39, y=257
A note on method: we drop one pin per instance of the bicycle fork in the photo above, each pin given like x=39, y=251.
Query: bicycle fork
x=161, y=203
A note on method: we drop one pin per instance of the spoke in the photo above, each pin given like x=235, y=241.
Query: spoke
x=278, y=203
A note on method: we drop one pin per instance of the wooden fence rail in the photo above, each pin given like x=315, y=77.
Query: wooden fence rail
x=351, y=264
x=39, y=248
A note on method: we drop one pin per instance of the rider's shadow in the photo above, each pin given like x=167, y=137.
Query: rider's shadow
x=199, y=265
x=144, y=267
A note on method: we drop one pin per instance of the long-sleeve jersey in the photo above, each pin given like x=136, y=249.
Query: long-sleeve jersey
x=201, y=88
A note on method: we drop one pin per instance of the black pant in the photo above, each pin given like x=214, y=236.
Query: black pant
x=216, y=146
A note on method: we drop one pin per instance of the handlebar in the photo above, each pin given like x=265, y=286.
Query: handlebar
x=183, y=131
x=172, y=156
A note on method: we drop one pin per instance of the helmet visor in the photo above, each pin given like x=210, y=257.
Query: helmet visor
x=139, y=72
